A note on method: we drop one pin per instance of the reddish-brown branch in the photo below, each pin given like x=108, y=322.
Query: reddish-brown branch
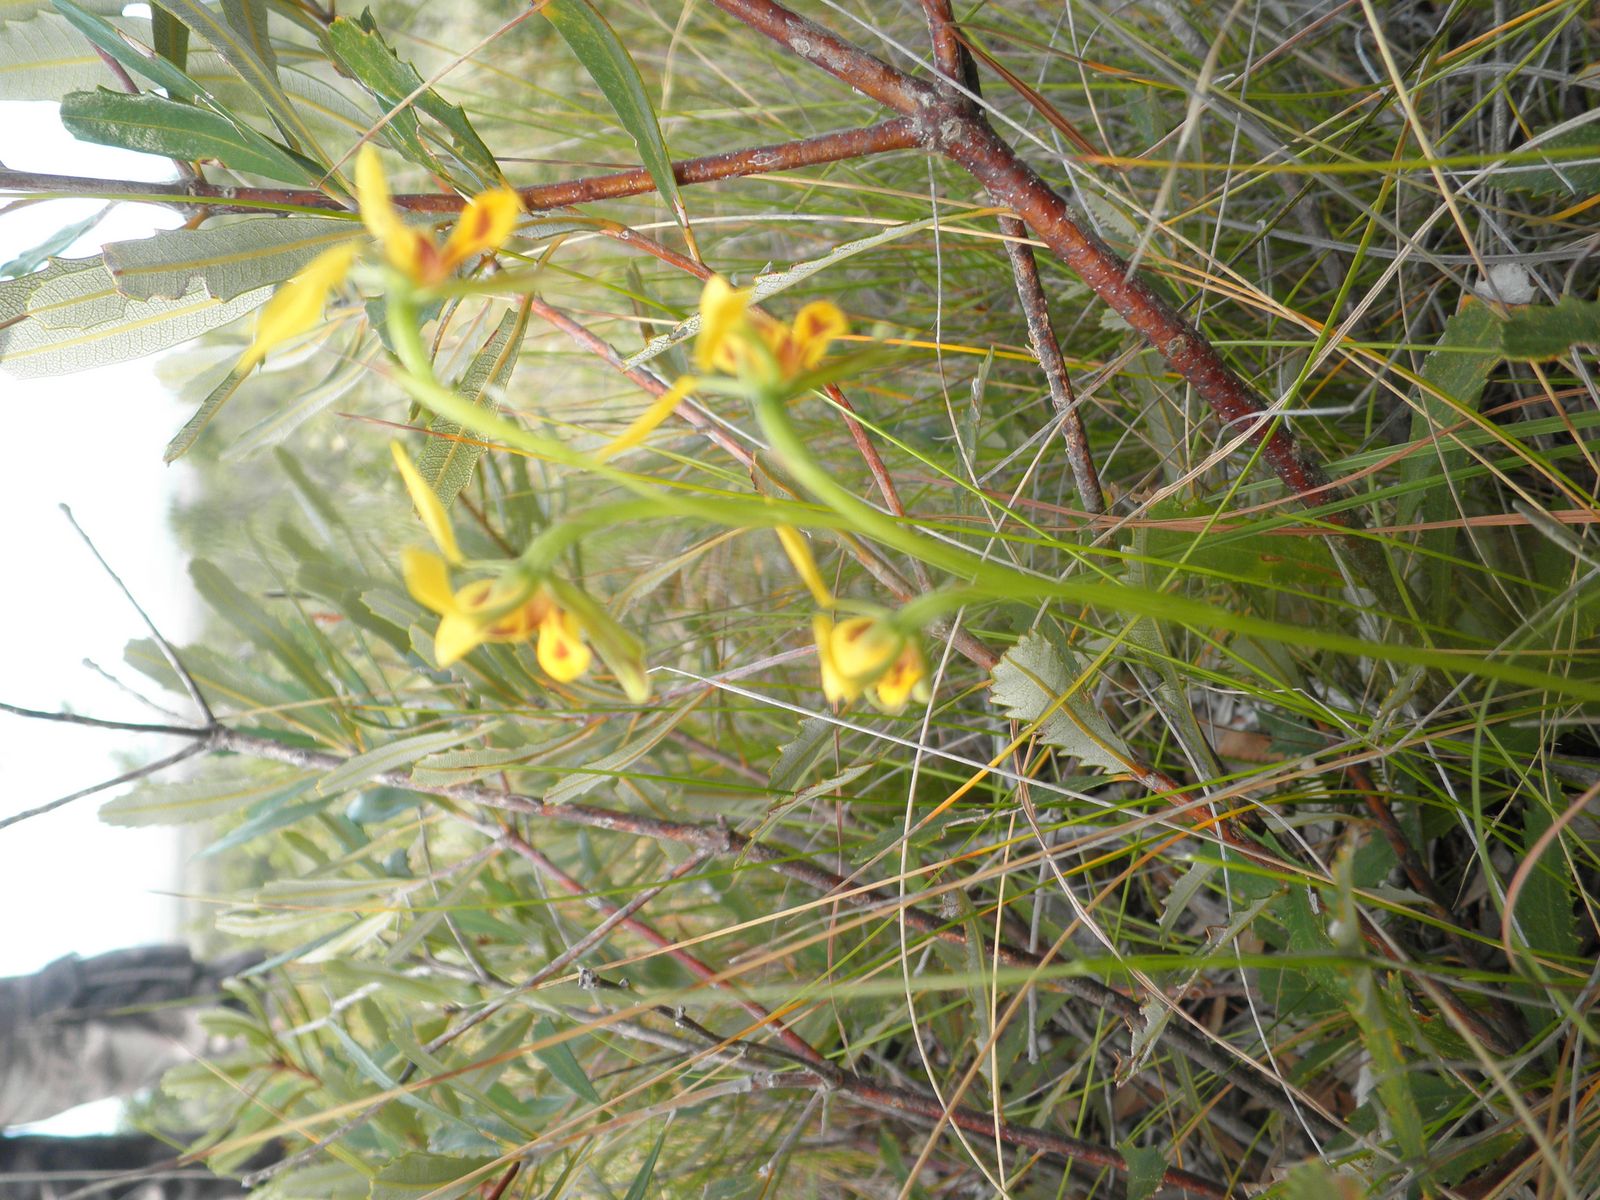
x=897, y=134
x=1042, y=336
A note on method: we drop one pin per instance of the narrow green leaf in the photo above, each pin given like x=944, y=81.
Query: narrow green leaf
x=1456, y=374
x=185, y=438
x=436, y=1176
x=449, y=457
x=226, y=258
x=158, y=69
x=606, y=768
x=263, y=629
x=184, y=802
x=612, y=68
x=563, y=1064
x=647, y=1169
x=365, y=54
x=44, y=58
x=1545, y=912
x=1031, y=683
x=394, y=756
x=248, y=19
x=150, y=124
x=242, y=57
x=35, y=257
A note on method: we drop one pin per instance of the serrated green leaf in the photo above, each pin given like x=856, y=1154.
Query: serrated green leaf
x=1572, y=166
x=797, y=757
x=394, y=756
x=612, y=68
x=394, y=83
x=150, y=124
x=563, y=1064
x=448, y=457
x=71, y=317
x=1548, y=331
x=1031, y=684
x=226, y=259
x=184, y=802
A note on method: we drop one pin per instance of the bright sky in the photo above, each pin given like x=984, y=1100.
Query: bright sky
x=93, y=441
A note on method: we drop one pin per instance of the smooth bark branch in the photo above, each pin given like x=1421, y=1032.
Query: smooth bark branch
x=847, y=144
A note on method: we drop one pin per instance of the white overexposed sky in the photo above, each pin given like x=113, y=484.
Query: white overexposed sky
x=92, y=440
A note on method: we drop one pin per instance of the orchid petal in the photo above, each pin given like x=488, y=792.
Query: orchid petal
x=428, y=580
x=485, y=224
x=434, y=517
x=297, y=306
x=646, y=422
x=457, y=636
x=561, y=651
x=409, y=250
x=722, y=311
x=799, y=551
x=816, y=326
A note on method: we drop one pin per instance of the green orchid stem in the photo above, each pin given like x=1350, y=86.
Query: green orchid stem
x=845, y=512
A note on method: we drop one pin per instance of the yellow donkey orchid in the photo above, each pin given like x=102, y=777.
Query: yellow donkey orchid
x=509, y=608
x=484, y=225
x=864, y=654
x=751, y=347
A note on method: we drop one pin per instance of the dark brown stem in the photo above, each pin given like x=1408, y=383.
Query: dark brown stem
x=896, y=134
x=1042, y=336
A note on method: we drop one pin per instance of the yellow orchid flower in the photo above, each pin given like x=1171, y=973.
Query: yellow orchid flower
x=484, y=225
x=748, y=346
x=296, y=307
x=465, y=613
x=863, y=654
x=464, y=623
